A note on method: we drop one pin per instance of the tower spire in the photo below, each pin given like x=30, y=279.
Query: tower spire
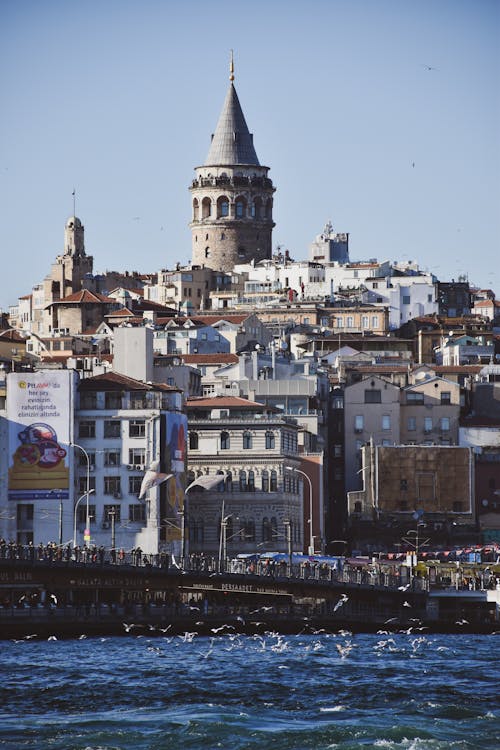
x=231, y=68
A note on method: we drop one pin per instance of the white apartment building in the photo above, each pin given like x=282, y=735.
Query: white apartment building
x=123, y=427
x=406, y=297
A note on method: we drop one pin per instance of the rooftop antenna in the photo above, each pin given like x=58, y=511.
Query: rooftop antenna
x=231, y=68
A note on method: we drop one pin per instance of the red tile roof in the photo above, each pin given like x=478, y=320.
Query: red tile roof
x=12, y=335
x=230, y=318
x=209, y=359
x=467, y=369
x=84, y=297
x=223, y=402
x=115, y=381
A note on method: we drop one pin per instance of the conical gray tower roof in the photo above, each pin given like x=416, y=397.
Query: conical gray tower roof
x=232, y=143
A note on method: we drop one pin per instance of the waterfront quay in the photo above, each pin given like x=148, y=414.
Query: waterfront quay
x=109, y=594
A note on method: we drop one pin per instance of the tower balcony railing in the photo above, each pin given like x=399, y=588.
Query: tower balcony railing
x=234, y=181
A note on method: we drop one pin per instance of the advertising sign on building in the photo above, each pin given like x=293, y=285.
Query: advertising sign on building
x=39, y=413
x=176, y=455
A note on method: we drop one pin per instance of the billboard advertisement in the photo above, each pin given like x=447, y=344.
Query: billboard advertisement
x=40, y=414
x=176, y=456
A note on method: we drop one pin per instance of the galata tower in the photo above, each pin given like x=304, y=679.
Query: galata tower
x=232, y=196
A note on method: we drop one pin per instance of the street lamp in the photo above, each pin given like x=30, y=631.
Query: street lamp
x=415, y=542
x=224, y=521
x=86, y=535
x=223, y=539
x=74, y=514
x=311, y=536
x=288, y=528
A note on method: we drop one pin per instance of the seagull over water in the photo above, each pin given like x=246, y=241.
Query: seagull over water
x=340, y=602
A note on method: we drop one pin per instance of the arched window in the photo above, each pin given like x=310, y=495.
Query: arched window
x=274, y=528
x=206, y=208
x=225, y=441
x=250, y=531
x=274, y=481
x=265, y=481
x=221, y=487
x=247, y=440
x=201, y=530
x=222, y=207
x=266, y=530
x=240, y=208
x=193, y=530
x=196, y=210
x=243, y=481
x=269, y=209
x=229, y=481
x=193, y=441
x=257, y=208
x=270, y=442
x=251, y=481
x=207, y=252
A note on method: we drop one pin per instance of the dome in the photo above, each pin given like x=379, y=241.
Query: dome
x=73, y=223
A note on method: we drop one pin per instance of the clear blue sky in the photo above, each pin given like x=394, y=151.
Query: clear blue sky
x=118, y=99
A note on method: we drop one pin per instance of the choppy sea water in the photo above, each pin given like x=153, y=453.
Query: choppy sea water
x=310, y=691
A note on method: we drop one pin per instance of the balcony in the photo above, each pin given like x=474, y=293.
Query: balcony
x=90, y=402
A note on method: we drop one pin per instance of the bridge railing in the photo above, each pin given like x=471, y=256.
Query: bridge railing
x=375, y=574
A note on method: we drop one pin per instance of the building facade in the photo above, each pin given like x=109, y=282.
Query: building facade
x=258, y=505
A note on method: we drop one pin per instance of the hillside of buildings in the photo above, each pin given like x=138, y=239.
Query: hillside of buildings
x=249, y=401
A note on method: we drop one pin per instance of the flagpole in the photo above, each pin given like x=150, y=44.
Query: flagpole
x=74, y=202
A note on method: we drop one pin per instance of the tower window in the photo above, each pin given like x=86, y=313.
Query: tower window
x=257, y=208
x=206, y=208
x=240, y=207
x=207, y=252
x=196, y=210
x=222, y=207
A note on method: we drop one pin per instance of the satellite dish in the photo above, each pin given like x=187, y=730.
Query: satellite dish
x=284, y=345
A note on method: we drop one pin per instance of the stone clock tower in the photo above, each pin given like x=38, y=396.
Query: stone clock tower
x=232, y=196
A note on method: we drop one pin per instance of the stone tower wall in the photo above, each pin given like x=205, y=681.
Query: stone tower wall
x=221, y=246
x=220, y=241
